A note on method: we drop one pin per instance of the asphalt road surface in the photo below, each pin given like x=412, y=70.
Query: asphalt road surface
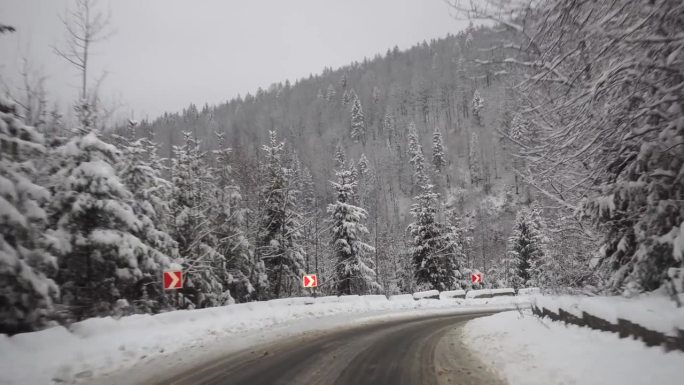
x=413, y=351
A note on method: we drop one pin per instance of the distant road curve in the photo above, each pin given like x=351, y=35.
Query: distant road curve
x=416, y=351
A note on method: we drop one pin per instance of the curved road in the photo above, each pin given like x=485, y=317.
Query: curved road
x=412, y=351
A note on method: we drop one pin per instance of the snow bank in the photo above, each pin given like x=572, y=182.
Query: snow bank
x=484, y=293
x=96, y=347
x=527, y=350
x=529, y=291
x=500, y=292
x=452, y=294
x=426, y=294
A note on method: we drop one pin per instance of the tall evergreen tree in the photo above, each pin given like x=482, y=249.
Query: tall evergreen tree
x=102, y=257
x=438, y=156
x=27, y=292
x=434, y=250
x=140, y=173
x=228, y=221
x=525, y=247
x=358, y=122
x=279, y=241
x=191, y=206
x=354, y=270
x=476, y=172
x=477, y=106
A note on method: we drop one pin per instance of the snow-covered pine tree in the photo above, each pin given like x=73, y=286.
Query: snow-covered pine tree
x=330, y=93
x=519, y=127
x=346, y=97
x=477, y=106
x=140, y=172
x=438, y=156
x=228, y=221
x=358, y=123
x=363, y=166
x=390, y=131
x=434, y=250
x=279, y=241
x=102, y=258
x=476, y=173
x=27, y=292
x=340, y=157
x=191, y=206
x=525, y=247
x=413, y=145
x=354, y=269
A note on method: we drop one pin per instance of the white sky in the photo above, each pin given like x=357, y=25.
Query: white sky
x=165, y=54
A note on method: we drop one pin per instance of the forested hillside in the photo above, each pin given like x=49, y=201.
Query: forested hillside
x=366, y=111
x=491, y=150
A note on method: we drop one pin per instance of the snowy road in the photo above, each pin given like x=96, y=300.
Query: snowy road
x=424, y=350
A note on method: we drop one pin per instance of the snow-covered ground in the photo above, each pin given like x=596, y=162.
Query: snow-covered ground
x=525, y=349
x=131, y=349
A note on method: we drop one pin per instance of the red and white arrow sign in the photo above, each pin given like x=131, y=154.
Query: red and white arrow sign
x=173, y=279
x=309, y=280
x=476, y=278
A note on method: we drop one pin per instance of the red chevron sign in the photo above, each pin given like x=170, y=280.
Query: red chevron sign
x=476, y=278
x=309, y=280
x=173, y=279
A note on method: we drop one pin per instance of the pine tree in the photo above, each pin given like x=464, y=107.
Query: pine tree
x=478, y=106
x=358, y=124
x=525, y=247
x=363, y=166
x=27, y=292
x=279, y=242
x=476, y=173
x=346, y=97
x=102, y=257
x=330, y=93
x=340, y=158
x=228, y=222
x=438, y=156
x=354, y=270
x=413, y=146
x=390, y=131
x=140, y=172
x=192, y=206
x=434, y=250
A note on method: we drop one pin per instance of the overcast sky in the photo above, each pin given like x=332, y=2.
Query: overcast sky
x=165, y=54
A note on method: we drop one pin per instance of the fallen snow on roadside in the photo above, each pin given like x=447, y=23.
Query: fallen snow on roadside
x=525, y=349
x=137, y=348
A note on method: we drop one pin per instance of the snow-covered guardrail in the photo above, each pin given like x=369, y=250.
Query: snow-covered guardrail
x=655, y=320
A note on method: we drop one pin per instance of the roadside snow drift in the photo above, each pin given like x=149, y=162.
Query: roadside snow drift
x=98, y=347
x=525, y=349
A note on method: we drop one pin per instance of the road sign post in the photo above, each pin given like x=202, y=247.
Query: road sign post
x=173, y=279
x=310, y=281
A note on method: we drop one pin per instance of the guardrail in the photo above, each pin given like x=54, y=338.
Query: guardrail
x=672, y=340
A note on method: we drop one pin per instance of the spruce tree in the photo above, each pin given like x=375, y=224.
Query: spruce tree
x=192, y=206
x=438, y=156
x=228, y=221
x=477, y=106
x=103, y=255
x=525, y=247
x=476, y=173
x=27, y=292
x=140, y=173
x=280, y=237
x=358, y=124
x=354, y=270
x=434, y=250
